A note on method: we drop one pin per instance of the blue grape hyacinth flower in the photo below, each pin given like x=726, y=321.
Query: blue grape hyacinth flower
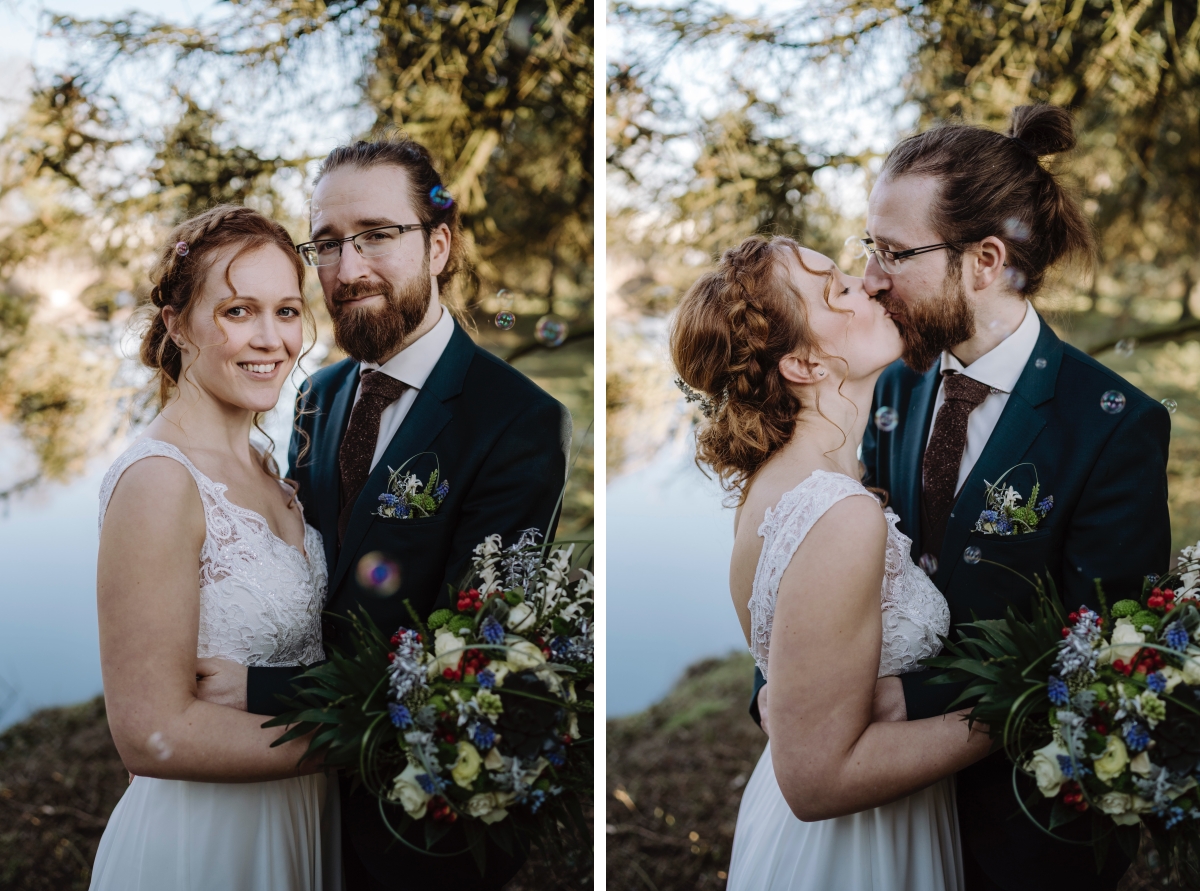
x=1058, y=692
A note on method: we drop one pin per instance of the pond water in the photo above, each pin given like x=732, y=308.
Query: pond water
x=668, y=605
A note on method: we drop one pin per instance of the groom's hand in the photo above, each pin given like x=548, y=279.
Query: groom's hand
x=888, y=704
x=762, y=709
x=221, y=682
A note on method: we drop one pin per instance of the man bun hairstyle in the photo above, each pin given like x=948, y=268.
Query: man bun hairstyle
x=434, y=204
x=993, y=184
x=731, y=330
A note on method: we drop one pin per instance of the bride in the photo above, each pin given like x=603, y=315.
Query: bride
x=786, y=350
x=204, y=553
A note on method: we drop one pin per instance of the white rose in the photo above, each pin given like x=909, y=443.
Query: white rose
x=1113, y=761
x=1140, y=764
x=1191, y=668
x=1126, y=819
x=493, y=761
x=524, y=654
x=1173, y=675
x=449, y=649
x=520, y=618
x=1123, y=633
x=1046, y=769
x=1141, y=805
x=489, y=806
x=550, y=678
x=409, y=793
x=1114, y=803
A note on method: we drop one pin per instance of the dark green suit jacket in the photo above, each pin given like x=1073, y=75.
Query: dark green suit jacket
x=499, y=441
x=1107, y=473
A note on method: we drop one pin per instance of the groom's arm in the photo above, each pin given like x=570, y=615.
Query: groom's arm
x=517, y=488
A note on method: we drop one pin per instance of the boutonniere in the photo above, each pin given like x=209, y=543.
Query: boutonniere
x=1005, y=515
x=408, y=498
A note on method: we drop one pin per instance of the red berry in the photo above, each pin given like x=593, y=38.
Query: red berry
x=1155, y=602
x=1156, y=591
x=1100, y=621
x=478, y=605
x=391, y=657
x=1074, y=617
x=1066, y=632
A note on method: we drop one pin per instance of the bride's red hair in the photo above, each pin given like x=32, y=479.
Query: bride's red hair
x=732, y=328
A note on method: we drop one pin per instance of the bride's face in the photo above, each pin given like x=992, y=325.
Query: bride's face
x=850, y=326
x=242, y=342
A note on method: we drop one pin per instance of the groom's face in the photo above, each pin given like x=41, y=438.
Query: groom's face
x=375, y=303
x=926, y=297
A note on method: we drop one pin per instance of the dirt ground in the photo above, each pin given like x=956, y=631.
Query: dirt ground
x=60, y=778
x=675, y=777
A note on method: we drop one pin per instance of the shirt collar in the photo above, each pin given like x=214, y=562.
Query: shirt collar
x=415, y=362
x=1002, y=366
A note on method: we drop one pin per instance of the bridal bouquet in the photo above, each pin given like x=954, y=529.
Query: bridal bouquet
x=479, y=716
x=1102, y=710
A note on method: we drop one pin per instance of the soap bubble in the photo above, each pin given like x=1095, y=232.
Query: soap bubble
x=1040, y=363
x=972, y=555
x=1170, y=405
x=886, y=418
x=159, y=746
x=929, y=563
x=1125, y=347
x=1113, y=401
x=1016, y=229
x=505, y=320
x=550, y=331
x=378, y=574
x=1015, y=278
x=181, y=248
x=854, y=247
x=440, y=198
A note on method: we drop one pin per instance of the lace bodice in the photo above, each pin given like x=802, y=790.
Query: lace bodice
x=260, y=598
x=914, y=611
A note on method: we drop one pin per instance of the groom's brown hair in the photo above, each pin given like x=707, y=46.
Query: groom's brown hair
x=994, y=184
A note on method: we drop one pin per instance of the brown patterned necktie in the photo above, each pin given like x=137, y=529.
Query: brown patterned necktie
x=358, y=445
x=944, y=453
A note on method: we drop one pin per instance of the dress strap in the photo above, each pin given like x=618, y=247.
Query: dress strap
x=149, y=448
x=783, y=528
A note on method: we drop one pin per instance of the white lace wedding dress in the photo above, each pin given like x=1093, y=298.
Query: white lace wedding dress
x=908, y=845
x=260, y=604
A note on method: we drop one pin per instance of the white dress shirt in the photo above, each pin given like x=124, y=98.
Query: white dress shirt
x=999, y=369
x=412, y=365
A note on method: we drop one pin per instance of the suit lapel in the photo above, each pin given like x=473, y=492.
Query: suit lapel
x=1019, y=425
x=424, y=421
x=916, y=432
x=326, y=474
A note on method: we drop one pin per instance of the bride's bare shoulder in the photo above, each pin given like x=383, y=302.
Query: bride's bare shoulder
x=156, y=493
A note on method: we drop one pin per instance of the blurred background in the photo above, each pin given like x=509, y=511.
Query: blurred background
x=728, y=119
x=122, y=117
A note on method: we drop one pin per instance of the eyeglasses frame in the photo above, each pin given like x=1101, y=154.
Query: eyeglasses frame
x=402, y=227
x=869, y=245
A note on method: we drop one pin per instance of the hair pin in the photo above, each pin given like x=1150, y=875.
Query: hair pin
x=708, y=408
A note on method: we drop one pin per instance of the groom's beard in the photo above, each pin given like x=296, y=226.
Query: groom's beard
x=368, y=334
x=932, y=325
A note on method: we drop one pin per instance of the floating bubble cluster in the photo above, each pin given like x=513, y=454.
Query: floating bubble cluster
x=159, y=746
x=972, y=555
x=1125, y=347
x=439, y=197
x=378, y=574
x=928, y=563
x=1113, y=402
x=1170, y=405
x=1015, y=278
x=886, y=418
x=505, y=320
x=1016, y=229
x=1039, y=363
x=551, y=331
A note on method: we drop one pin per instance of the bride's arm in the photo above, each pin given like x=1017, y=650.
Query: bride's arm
x=829, y=758
x=147, y=592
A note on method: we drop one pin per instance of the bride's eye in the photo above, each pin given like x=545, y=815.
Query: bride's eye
x=236, y=312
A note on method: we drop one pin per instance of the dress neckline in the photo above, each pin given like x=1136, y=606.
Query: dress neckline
x=221, y=488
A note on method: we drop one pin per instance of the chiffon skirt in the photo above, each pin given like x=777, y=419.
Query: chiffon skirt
x=173, y=835
x=908, y=845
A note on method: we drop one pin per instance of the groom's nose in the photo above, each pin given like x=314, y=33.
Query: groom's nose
x=875, y=280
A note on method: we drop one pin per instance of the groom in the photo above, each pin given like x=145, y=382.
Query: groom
x=963, y=225
x=416, y=394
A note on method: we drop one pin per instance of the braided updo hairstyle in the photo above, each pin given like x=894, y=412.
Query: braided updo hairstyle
x=732, y=328
x=180, y=271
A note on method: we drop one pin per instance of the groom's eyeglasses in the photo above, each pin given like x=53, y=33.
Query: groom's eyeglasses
x=372, y=243
x=891, y=262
